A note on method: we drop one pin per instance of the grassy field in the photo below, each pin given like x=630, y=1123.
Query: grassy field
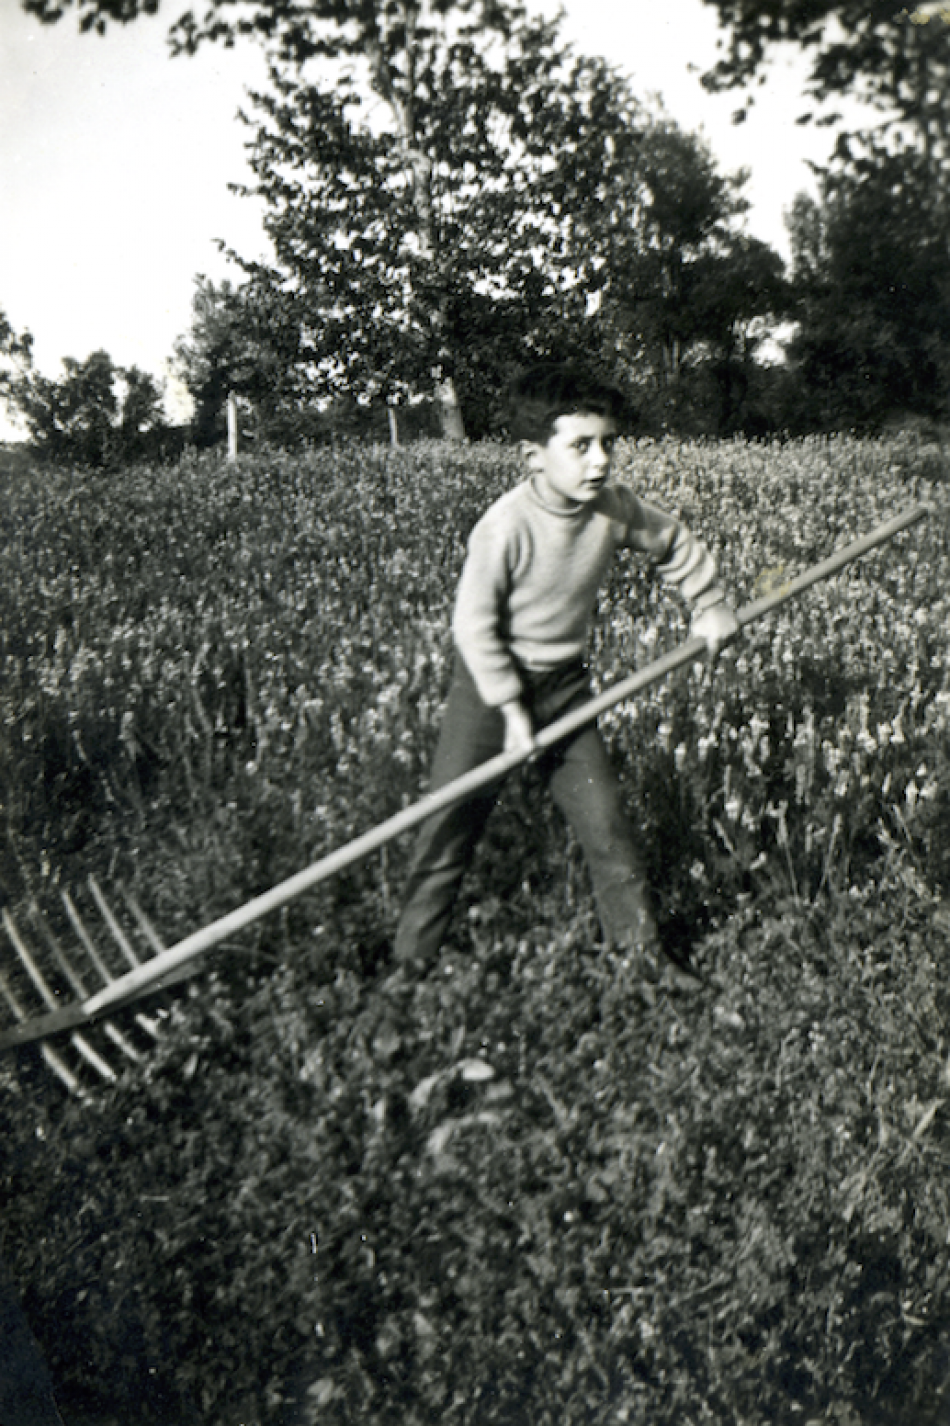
x=546, y=1197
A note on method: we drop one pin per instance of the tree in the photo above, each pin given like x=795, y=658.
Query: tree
x=95, y=412
x=85, y=417
x=239, y=343
x=597, y=227
x=871, y=274
x=871, y=256
x=896, y=60
x=581, y=223
x=684, y=296
x=450, y=190
x=16, y=359
x=425, y=61
x=522, y=145
x=141, y=406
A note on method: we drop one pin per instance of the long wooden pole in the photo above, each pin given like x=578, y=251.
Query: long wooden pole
x=152, y=974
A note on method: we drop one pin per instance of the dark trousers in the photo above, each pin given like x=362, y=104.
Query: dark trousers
x=583, y=786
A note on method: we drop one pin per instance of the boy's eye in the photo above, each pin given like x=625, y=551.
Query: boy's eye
x=583, y=445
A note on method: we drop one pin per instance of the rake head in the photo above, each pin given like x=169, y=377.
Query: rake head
x=51, y=963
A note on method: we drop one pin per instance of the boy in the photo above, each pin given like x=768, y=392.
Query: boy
x=525, y=598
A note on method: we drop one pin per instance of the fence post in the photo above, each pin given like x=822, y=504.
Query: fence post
x=232, y=426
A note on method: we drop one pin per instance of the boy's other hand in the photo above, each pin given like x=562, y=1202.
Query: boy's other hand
x=519, y=734
x=716, y=625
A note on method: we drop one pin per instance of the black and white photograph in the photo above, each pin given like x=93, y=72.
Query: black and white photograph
x=474, y=713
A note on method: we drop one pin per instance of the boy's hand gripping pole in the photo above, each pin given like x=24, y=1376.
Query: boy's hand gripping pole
x=167, y=966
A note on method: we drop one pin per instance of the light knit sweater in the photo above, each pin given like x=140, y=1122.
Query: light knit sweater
x=531, y=577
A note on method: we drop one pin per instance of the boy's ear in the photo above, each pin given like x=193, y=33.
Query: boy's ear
x=531, y=453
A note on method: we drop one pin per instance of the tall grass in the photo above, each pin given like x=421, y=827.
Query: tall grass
x=540, y=1195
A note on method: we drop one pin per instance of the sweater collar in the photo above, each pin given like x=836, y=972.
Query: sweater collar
x=580, y=512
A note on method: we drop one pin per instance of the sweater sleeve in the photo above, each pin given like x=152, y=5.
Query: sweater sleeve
x=682, y=561
x=478, y=623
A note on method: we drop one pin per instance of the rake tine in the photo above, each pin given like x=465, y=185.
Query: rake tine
x=55, y=1062
x=78, y=985
x=92, y=1057
x=79, y=1042
x=10, y=998
x=59, y=1067
x=62, y=1071
x=52, y=940
x=32, y=969
x=144, y=924
x=156, y=944
x=123, y=942
x=121, y=1041
x=150, y=1026
x=86, y=939
x=144, y=1021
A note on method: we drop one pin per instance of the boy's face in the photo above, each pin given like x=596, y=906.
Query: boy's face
x=573, y=465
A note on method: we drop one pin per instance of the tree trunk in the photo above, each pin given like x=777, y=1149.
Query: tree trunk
x=420, y=167
x=450, y=414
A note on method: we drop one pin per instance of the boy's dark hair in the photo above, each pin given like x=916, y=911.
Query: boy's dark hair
x=538, y=396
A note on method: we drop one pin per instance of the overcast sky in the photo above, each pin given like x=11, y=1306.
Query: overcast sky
x=115, y=162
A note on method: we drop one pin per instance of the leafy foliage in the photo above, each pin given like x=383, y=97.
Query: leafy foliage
x=14, y=347
x=871, y=273
x=525, y=1188
x=238, y=344
x=82, y=417
x=895, y=59
x=683, y=299
x=490, y=213
x=451, y=192
x=871, y=260
x=564, y=217
x=16, y=357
